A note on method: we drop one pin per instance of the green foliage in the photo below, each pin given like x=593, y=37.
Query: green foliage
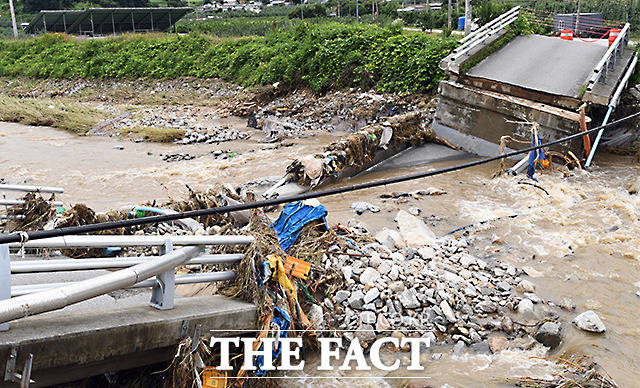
x=319, y=56
x=308, y=11
x=236, y=26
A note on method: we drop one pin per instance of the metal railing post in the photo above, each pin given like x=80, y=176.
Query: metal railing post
x=5, y=279
x=163, y=292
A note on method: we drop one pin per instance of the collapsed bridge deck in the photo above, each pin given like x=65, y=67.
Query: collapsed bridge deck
x=537, y=78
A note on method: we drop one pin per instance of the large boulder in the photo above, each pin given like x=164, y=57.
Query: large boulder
x=589, y=321
x=549, y=335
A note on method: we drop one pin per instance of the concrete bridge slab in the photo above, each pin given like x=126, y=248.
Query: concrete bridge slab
x=542, y=63
x=71, y=345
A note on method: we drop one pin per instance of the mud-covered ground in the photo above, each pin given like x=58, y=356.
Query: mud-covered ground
x=187, y=111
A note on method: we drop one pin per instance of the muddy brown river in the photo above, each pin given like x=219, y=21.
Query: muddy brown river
x=583, y=237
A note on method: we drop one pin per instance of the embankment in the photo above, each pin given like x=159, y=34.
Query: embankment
x=320, y=57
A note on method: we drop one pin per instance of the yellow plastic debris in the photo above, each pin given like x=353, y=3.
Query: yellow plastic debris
x=211, y=378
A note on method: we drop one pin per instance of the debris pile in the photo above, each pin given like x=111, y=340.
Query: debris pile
x=189, y=119
x=345, y=111
x=118, y=90
x=578, y=371
x=410, y=280
x=32, y=214
x=362, y=149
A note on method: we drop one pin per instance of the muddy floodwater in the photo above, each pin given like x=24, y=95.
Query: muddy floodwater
x=582, y=234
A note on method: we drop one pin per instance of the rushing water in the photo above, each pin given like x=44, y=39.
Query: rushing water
x=582, y=236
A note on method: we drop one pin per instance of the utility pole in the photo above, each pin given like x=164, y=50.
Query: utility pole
x=577, y=18
x=13, y=19
x=467, y=17
x=449, y=15
x=357, y=14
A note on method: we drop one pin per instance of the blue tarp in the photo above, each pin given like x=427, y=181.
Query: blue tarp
x=534, y=157
x=293, y=217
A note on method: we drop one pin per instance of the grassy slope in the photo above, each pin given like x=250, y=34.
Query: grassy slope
x=322, y=57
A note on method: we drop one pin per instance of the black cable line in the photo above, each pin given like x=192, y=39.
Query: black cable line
x=40, y=234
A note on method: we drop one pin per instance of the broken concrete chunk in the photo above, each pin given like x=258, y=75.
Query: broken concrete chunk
x=414, y=231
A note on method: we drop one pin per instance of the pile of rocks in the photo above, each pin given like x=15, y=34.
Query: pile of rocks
x=115, y=90
x=177, y=157
x=197, y=133
x=346, y=111
x=410, y=280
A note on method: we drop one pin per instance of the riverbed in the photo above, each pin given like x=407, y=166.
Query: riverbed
x=581, y=234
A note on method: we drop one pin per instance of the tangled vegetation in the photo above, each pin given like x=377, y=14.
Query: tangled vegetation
x=320, y=56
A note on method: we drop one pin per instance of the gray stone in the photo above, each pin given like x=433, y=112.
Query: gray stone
x=427, y=253
x=466, y=260
x=458, y=348
x=409, y=299
x=503, y=286
x=371, y=295
x=369, y=306
x=526, y=286
x=390, y=238
x=498, y=344
x=409, y=322
x=316, y=316
x=361, y=207
x=382, y=324
x=487, y=306
x=525, y=308
x=414, y=211
x=394, y=273
x=365, y=333
x=368, y=317
x=589, y=321
x=384, y=268
x=369, y=276
x=475, y=337
x=397, y=286
x=347, y=271
x=532, y=297
x=341, y=296
x=356, y=300
x=448, y=312
x=549, y=335
x=507, y=325
x=567, y=304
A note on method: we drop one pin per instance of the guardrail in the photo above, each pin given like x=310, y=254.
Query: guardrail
x=135, y=272
x=22, y=301
x=15, y=202
x=31, y=189
x=608, y=61
x=479, y=36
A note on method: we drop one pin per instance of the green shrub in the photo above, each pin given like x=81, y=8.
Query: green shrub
x=319, y=56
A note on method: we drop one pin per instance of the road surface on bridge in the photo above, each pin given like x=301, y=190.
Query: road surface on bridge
x=542, y=63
